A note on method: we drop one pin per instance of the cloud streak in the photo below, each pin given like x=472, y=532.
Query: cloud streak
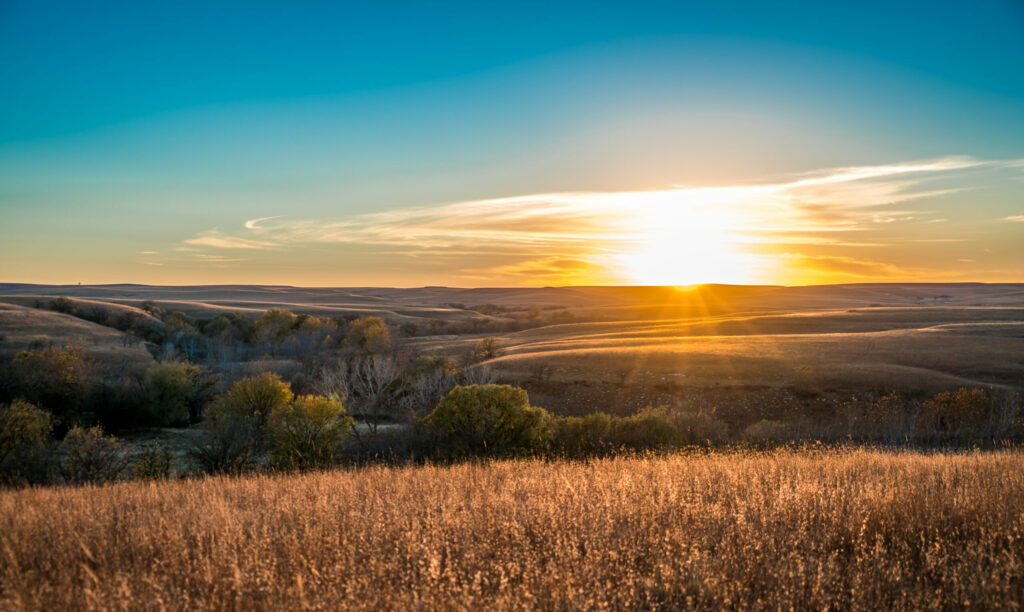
x=578, y=235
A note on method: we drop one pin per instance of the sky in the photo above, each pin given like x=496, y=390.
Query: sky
x=511, y=144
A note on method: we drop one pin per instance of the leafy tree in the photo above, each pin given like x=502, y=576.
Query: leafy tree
x=24, y=437
x=176, y=393
x=233, y=425
x=488, y=420
x=307, y=433
x=274, y=326
x=255, y=397
x=370, y=334
x=57, y=379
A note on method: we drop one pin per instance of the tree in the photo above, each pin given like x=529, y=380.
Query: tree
x=176, y=393
x=24, y=437
x=233, y=426
x=484, y=350
x=370, y=334
x=255, y=397
x=488, y=420
x=307, y=433
x=53, y=378
x=376, y=383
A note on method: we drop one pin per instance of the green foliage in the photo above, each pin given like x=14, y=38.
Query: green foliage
x=650, y=429
x=487, y=420
x=176, y=393
x=370, y=334
x=89, y=456
x=57, y=379
x=582, y=436
x=24, y=439
x=233, y=425
x=255, y=397
x=153, y=462
x=307, y=433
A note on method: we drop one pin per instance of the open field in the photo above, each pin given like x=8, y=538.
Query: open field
x=835, y=529
x=630, y=346
x=22, y=327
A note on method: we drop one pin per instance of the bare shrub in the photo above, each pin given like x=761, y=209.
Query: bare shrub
x=90, y=457
x=153, y=462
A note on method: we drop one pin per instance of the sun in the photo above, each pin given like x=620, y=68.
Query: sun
x=686, y=240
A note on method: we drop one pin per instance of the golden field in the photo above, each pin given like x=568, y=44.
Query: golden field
x=847, y=529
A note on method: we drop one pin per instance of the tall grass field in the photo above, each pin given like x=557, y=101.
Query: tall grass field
x=851, y=529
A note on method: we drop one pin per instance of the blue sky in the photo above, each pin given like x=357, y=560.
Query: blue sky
x=132, y=128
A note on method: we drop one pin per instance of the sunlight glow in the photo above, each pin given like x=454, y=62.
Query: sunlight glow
x=686, y=238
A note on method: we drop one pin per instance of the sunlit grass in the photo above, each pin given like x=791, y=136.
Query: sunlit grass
x=857, y=529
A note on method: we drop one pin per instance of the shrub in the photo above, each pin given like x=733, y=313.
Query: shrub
x=484, y=350
x=307, y=433
x=153, y=462
x=53, y=378
x=582, y=436
x=91, y=457
x=650, y=429
x=487, y=420
x=255, y=397
x=961, y=414
x=176, y=393
x=229, y=444
x=24, y=437
x=765, y=433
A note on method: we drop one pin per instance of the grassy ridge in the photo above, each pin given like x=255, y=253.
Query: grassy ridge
x=853, y=529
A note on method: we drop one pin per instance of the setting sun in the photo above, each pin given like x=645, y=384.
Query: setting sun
x=686, y=238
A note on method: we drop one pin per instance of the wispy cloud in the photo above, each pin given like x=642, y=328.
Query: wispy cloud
x=577, y=234
x=215, y=239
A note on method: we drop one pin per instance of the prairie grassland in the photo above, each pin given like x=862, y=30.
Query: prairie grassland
x=849, y=529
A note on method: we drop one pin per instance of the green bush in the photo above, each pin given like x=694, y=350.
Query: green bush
x=91, y=457
x=307, y=433
x=57, y=379
x=582, y=436
x=487, y=420
x=24, y=440
x=233, y=425
x=153, y=462
x=255, y=397
x=176, y=393
x=650, y=429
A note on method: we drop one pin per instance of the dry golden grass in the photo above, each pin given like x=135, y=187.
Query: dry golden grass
x=21, y=326
x=848, y=530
